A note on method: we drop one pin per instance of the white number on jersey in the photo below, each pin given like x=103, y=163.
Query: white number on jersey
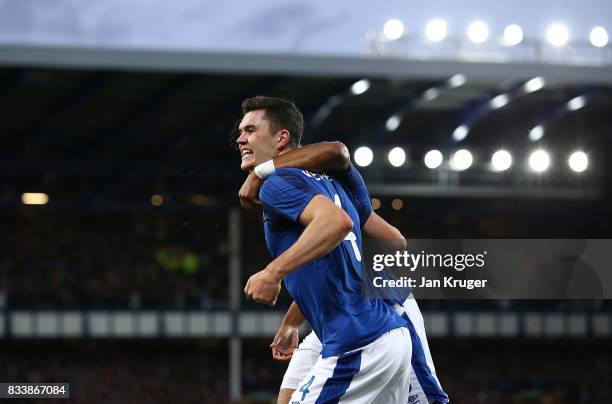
x=351, y=237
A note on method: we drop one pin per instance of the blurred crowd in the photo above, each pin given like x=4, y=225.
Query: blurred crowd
x=521, y=371
x=156, y=258
x=123, y=372
x=472, y=371
x=137, y=259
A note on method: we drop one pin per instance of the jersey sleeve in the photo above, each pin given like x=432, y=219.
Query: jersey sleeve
x=354, y=184
x=286, y=194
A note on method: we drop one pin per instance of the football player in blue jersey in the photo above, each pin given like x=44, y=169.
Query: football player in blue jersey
x=333, y=158
x=313, y=231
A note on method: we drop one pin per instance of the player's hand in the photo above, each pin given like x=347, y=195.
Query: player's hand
x=263, y=287
x=284, y=343
x=249, y=193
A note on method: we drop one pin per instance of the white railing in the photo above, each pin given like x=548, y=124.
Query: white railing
x=252, y=324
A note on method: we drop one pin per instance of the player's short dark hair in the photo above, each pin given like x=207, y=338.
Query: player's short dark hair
x=280, y=113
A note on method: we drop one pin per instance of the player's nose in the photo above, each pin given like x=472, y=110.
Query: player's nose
x=242, y=139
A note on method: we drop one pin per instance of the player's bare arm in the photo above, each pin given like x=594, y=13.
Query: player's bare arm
x=329, y=156
x=332, y=157
x=326, y=225
x=378, y=228
x=287, y=337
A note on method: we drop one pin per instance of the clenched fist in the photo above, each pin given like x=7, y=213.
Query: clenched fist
x=263, y=287
x=249, y=193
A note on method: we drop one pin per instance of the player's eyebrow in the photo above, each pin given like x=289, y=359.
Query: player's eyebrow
x=247, y=127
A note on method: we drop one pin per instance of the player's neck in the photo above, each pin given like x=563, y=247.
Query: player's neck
x=285, y=150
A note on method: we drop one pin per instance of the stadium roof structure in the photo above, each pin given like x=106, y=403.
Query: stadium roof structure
x=297, y=64
x=111, y=124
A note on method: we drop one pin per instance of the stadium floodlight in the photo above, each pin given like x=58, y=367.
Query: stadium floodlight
x=578, y=161
x=34, y=198
x=157, y=200
x=433, y=159
x=397, y=157
x=393, y=122
x=436, y=30
x=457, y=80
x=431, y=94
x=461, y=160
x=539, y=161
x=536, y=133
x=576, y=103
x=360, y=87
x=534, y=84
x=376, y=203
x=513, y=35
x=363, y=156
x=500, y=101
x=501, y=160
x=460, y=133
x=599, y=37
x=393, y=29
x=478, y=32
x=557, y=35
x=397, y=204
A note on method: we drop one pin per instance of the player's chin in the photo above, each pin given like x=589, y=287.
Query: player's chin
x=247, y=164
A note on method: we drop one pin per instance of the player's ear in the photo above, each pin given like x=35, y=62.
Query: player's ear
x=282, y=139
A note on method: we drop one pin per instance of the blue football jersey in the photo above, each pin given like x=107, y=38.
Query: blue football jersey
x=356, y=189
x=327, y=290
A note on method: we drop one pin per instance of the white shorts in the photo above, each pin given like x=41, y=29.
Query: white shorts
x=378, y=373
x=303, y=359
x=423, y=377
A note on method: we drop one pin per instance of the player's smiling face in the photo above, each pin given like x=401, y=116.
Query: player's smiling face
x=256, y=142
